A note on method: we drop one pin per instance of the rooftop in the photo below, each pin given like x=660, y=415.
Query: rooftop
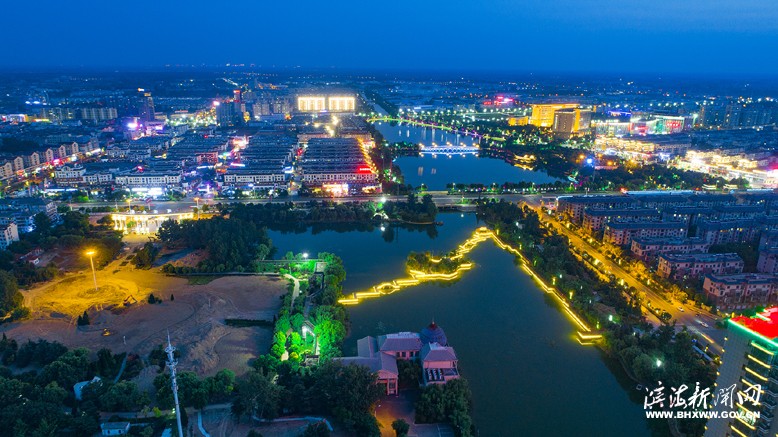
x=701, y=257
x=646, y=225
x=436, y=352
x=608, y=212
x=764, y=324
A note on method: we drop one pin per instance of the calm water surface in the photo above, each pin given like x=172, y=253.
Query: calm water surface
x=527, y=373
x=437, y=171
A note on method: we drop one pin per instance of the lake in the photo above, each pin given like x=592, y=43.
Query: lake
x=438, y=170
x=528, y=374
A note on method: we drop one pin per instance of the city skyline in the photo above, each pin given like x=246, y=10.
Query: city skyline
x=694, y=37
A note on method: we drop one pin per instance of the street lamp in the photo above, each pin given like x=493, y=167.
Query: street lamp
x=91, y=254
x=305, y=255
x=197, y=201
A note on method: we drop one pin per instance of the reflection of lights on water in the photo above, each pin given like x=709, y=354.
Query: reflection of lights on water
x=584, y=335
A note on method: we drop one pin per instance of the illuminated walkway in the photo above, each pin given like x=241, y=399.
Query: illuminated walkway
x=585, y=334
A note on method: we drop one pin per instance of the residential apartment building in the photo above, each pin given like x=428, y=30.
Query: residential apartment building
x=622, y=233
x=768, y=261
x=594, y=219
x=690, y=266
x=8, y=234
x=728, y=231
x=648, y=249
x=573, y=207
x=744, y=290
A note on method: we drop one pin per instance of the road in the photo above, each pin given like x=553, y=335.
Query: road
x=684, y=315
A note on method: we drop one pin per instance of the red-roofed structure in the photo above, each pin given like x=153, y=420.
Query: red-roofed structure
x=764, y=323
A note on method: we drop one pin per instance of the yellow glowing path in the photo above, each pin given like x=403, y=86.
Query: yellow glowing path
x=585, y=333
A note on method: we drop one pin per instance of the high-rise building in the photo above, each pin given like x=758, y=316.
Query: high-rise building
x=146, y=105
x=572, y=122
x=740, y=113
x=543, y=114
x=98, y=113
x=749, y=371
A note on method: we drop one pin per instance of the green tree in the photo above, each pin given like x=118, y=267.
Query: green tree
x=123, y=396
x=10, y=297
x=401, y=427
x=83, y=319
x=318, y=429
x=256, y=396
x=349, y=393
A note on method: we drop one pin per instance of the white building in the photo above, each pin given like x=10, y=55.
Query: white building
x=148, y=179
x=8, y=234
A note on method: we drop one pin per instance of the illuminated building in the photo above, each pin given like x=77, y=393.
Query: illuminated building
x=145, y=223
x=730, y=166
x=651, y=125
x=320, y=103
x=341, y=103
x=58, y=113
x=335, y=162
x=572, y=122
x=749, y=360
x=518, y=121
x=543, y=114
x=228, y=112
x=311, y=103
x=262, y=163
x=645, y=147
x=69, y=176
x=146, y=105
x=148, y=179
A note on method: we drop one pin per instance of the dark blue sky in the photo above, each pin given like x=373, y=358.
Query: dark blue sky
x=666, y=36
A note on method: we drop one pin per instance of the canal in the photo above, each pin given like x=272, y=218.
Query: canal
x=437, y=171
x=528, y=374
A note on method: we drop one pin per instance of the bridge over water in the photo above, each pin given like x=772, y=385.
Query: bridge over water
x=449, y=150
x=452, y=129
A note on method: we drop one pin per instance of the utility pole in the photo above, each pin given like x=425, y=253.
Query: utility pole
x=171, y=363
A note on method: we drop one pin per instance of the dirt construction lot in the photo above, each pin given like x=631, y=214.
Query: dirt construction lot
x=195, y=319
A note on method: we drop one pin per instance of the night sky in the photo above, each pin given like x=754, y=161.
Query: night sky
x=664, y=36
